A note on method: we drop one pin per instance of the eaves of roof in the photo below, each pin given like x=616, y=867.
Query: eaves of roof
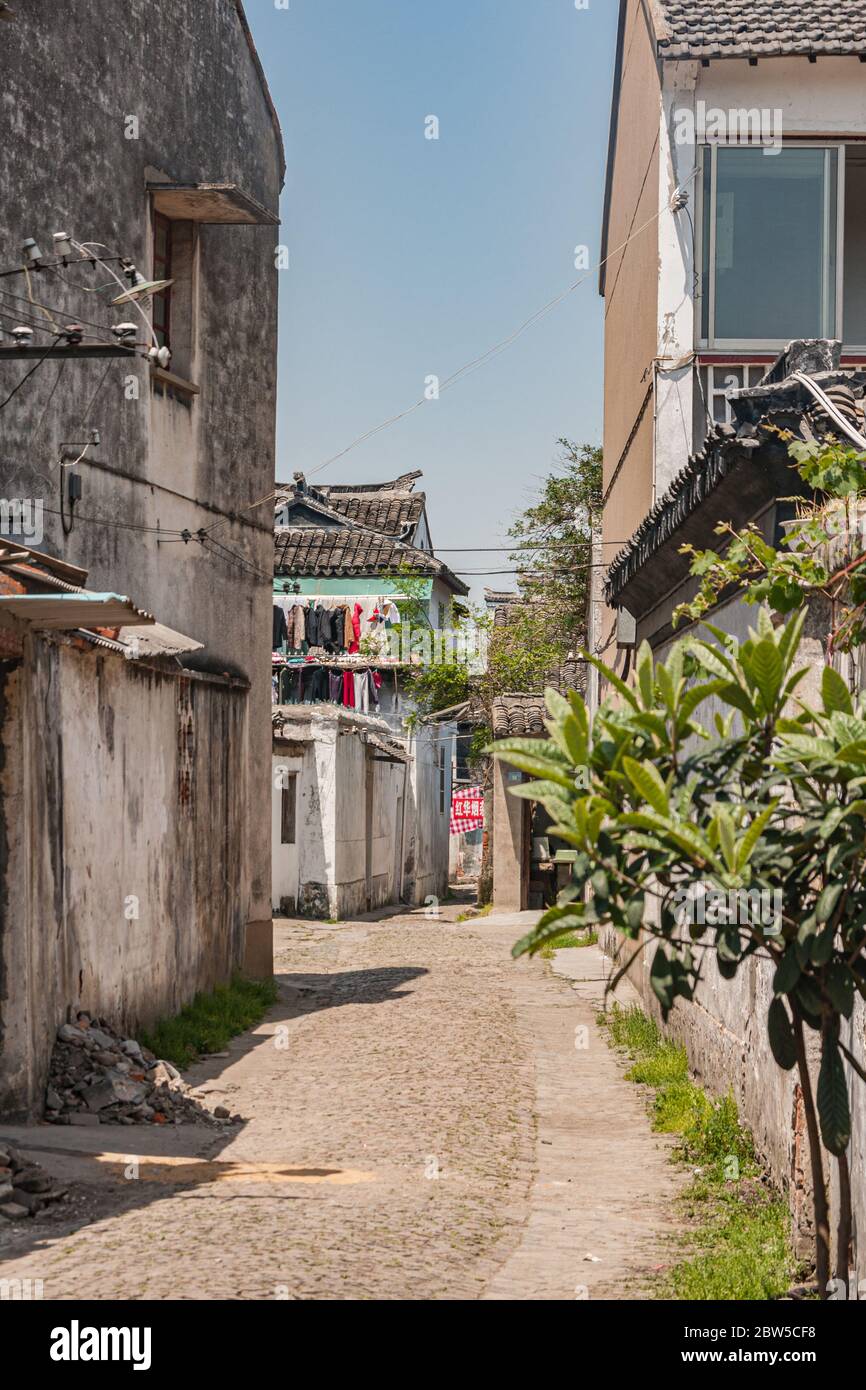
x=741, y=468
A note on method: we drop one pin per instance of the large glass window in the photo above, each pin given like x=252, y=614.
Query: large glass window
x=769, y=244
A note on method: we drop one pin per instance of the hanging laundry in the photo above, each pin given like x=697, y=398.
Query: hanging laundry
x=297, y=627
x=348, y=690
x=280, y=628
x=357, y=613
x=335, y=687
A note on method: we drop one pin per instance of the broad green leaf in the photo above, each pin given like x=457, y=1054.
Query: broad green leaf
x=645, y=674
x=828, y=900
x=539, y=767
x=835, y=692
x=648, y=783
x=616, y=681
x=787, y=972
x=767, y=672
x=833, y=1109
x=746, y=847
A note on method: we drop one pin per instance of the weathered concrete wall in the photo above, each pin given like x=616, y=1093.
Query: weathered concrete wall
x=725, y=1029
x=349, y=809
x=428, y=813
x=631, y=283
x=509, y=841
x=117, y=896
x=71, y=76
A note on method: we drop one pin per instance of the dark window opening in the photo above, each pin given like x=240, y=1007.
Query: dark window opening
x=162, y=248
x=288, y=809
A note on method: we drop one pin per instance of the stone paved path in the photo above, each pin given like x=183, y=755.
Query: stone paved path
x=421, y=1125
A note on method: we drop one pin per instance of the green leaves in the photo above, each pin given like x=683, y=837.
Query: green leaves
x=787, y=973
x=648, y=785
x=769, y=802
x=833, y=1109
x=835, y=693
x=767, y=671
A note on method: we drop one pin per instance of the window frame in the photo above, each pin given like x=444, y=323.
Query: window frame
x=162, y=271
x=703, y=234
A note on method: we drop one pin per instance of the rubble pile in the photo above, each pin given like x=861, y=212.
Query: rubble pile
x=99, y=1077
x=25, y=1188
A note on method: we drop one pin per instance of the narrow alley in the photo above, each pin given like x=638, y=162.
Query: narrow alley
x=420, y=1123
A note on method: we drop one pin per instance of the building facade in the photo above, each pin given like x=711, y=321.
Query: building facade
x=375, y=829
x=735, y=321
x=140, y=145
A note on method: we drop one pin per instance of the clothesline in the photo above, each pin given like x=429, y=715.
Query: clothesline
x=303, y=624
x=313, y=683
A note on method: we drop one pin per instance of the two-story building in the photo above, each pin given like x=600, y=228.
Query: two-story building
x=141, y=166
x=735, y=318
x=361, y=783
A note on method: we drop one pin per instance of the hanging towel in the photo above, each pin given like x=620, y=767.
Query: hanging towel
x=348, y=690
x=362, y=692
x=356, y=627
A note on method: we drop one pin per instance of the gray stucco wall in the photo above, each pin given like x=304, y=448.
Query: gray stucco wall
x=725, y=1031
x=125, y=864
x=70, y=75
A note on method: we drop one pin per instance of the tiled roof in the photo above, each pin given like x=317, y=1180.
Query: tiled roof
x=760, y=28
x=523, y=715
x=309, y=550
x=747, y=458
x=405, y=483
x=393, y=513
x=519, y=716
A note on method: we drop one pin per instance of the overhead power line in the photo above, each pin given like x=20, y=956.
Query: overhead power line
x=676, y=203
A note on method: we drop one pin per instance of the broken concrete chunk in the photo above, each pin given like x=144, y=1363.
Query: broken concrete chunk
x=83, y=1117
x=13, y=1211
x=66, y=1033
x=113, y=1088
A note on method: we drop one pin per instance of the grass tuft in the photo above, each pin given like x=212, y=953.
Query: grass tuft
x=741, y=1232
x=207, y=1024
x=568, y=940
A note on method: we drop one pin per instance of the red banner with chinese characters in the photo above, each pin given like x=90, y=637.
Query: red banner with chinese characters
x=467, y=809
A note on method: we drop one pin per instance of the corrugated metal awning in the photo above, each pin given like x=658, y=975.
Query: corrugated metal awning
x=67, y=611
x=157, y=640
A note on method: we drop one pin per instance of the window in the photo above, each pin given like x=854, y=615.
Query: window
x=174, y=310
x=288, y=809
x=769, y=230
x=162, y=237
x=717, y=383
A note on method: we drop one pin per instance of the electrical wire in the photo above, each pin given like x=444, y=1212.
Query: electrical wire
x=28, y=375
x=491, y=352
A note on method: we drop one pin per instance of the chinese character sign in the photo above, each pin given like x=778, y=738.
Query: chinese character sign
x=467, y=809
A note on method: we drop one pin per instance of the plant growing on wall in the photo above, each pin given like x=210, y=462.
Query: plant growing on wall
x=746, y=838
x=822, y=553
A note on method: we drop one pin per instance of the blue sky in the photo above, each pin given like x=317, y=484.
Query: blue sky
x=410, y=257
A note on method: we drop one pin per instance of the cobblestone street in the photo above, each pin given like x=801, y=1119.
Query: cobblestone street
x=420, y=1124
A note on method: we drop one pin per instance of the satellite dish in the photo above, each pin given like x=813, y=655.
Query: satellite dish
x=142, y=290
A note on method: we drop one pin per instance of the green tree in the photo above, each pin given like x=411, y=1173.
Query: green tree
x=767, y=807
